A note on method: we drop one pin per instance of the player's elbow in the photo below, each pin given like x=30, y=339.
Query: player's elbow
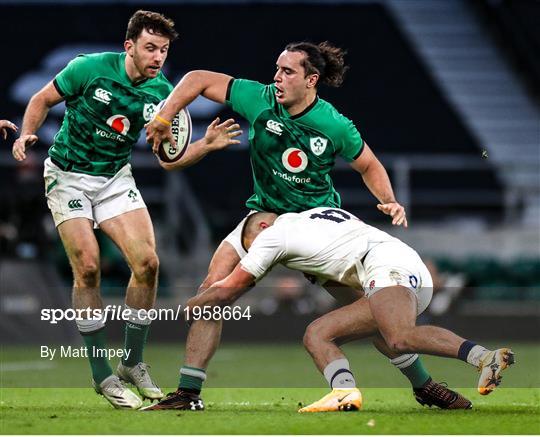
x=40, y=101
x=197, y=78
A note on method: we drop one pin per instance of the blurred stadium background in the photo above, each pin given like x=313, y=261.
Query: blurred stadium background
x=446, y=92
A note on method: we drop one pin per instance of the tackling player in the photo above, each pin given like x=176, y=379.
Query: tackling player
x=295, y=137
x=333, y=245
x=88, y=182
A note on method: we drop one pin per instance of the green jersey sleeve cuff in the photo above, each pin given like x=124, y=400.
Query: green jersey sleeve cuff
x=355, y=157
x=228, y=95
x=57, y=86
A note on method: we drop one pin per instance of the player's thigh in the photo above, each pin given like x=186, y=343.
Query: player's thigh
x=394, y=310
x=133, y=233
x=341, y=293
x=80, y=244
x=223, y=262
x=68, y=194
x=351, y=322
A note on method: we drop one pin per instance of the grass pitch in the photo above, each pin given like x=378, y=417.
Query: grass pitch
x=242, y=396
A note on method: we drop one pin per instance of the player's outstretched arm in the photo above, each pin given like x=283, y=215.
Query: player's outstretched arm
x=226, y=291
x=376, y=179
x=35, y=114
x=5, y=125
x=218, y=136
x=211, y=85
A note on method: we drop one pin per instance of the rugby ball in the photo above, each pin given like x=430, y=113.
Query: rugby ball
x=181, y=130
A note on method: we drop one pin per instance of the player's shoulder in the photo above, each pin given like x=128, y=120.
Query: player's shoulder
x=110, y=58
x=328, y=121
x=96, y=63
x=249, y=88
x=334, y=122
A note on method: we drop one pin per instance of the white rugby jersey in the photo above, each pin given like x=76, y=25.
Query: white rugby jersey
x=326, y=242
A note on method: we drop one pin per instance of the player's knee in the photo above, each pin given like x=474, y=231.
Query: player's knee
x=314, y=335
x=147, y=268
x=399, y=342
x=87, y=274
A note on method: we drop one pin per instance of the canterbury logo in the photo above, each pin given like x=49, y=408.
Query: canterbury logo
x=102, y=96
x=75, y=204
x=274, y=127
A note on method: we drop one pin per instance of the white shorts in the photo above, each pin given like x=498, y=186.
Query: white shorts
x=394, y=263
x=98, y=198
x=235, y=237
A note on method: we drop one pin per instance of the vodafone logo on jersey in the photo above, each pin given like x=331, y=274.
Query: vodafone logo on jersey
x=294, y=160
x=119, y=123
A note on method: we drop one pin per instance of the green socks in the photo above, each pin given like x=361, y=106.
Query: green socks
x=137, y=327
x=101, y=368
x=191, y=379
x=135, y=339
x=411, y=366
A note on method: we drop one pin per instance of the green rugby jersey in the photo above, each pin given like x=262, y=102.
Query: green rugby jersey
x=105, y=113
x=291, y=156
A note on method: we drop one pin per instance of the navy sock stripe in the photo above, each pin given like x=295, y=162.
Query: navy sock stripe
x=464, y=349
x=339, y=372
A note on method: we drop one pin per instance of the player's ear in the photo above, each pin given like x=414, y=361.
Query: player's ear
x=128, y=46
x=312, y=80
x=263, y=225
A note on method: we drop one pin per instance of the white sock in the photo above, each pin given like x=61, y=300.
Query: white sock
x=404, y=361
x=338, y=374
x=475, y=354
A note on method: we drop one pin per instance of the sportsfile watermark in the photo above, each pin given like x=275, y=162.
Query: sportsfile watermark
x=121, y=313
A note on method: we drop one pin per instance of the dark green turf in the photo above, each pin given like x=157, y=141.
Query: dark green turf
x=267, y=411
x=264, y=409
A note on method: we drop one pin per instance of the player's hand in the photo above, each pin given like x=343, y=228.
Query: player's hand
x=218, y=136
x=157, y=132
x=396, y=211
x=5, y=125
x=21, y=144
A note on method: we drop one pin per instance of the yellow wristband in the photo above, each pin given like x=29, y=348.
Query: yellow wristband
x=162, y=120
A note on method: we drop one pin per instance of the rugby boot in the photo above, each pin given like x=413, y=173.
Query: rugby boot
x=339, y=399
x=491, y=365
x=138, y=376
x=178, y=400
x=112, y=389
x=433, y=393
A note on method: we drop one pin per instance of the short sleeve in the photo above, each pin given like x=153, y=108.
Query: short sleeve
x=349, y=144
x=72, y=79
x=267, y=250
x=248, y=98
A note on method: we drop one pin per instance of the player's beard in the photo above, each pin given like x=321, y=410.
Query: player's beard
x=144, y=69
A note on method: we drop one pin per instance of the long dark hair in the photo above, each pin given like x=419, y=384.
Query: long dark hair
x=323, y=59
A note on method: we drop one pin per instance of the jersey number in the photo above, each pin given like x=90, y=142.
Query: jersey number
x=334, y=215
